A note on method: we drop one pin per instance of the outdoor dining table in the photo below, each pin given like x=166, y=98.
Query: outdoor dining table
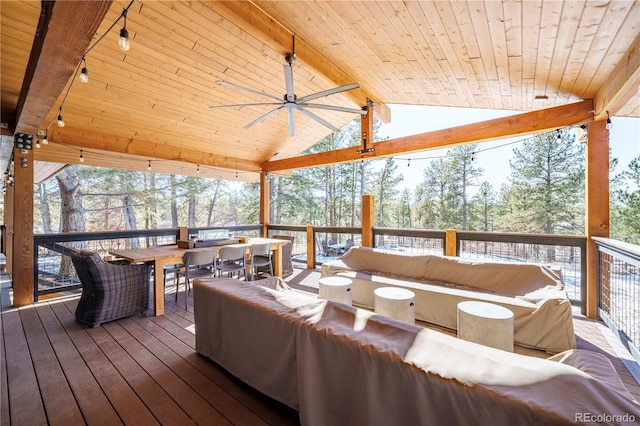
x=160, y=257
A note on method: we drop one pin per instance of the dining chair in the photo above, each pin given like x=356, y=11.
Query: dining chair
x=260, y=256
x=231, y=260
x=197, y=264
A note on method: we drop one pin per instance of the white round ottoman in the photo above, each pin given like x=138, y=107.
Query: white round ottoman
x=336, y=289
x=486, y=323
x=394, y=302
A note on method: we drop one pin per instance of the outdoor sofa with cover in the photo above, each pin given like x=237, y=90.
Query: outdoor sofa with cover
x=534, y=292
x=340, y=365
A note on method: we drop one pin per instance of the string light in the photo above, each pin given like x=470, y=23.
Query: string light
x=81, y=157
x=60, y=120
x=198, y=169
x=609, y=123
x=123, y=41
x=559, y=135
x=81, y=70
x=45, y=140
x=84, y=74
x=37, y=142
x=409, y=162
x=149, y=166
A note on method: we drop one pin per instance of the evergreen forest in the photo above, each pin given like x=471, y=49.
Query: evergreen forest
x=544, y=194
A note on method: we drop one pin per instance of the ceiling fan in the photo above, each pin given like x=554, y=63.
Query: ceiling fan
x=292, y=103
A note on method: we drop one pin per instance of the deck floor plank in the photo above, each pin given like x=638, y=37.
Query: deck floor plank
x=26, y=406
x=94, y=405
x=130, y=409
x=59, y=402
x=205, y=387
x=144, y=370
x=181, y=341
x=172, y=383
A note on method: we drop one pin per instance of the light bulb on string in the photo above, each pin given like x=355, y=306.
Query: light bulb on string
x=81, y=157
x=45, y=140
x=198, y=169
x=84, y=74
x=558, y=135
x=149, y=166
x=609, y=125
x=60, y=120
x=123, y=41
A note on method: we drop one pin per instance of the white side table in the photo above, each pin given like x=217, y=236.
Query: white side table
x=486, y=323
x=336, y=289
x=394, y=302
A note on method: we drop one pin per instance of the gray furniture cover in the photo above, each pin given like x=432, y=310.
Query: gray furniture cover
x=109, y=291
x=340, y=365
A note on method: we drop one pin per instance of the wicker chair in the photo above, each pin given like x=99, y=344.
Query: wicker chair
x=109, y=291
x=287, y=250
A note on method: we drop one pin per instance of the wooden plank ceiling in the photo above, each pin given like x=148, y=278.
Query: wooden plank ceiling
x=151, y=104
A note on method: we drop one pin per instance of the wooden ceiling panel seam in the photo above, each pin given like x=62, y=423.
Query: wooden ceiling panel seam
x=572, y=14
x=531, y=31
x=550, y=16
x=599, y=50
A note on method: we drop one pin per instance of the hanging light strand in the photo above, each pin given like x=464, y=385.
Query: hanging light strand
x=82, y=66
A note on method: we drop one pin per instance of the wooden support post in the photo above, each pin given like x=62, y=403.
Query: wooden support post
x=596, y=204
x=368, y=220
x=311, y=248
x=451, y=243
x=23, y=268
x=8, y=220
x=265, y=201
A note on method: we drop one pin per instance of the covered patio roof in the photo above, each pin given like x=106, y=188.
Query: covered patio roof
x=151, y=104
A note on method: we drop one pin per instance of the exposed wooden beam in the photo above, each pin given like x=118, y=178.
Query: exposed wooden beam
x=64, y=33
x=623, y=83
x=148, y=150
x=57, y=153
x=520, y=124
x=263, y=27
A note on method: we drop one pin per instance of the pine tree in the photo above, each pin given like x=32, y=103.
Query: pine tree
x=547, y=185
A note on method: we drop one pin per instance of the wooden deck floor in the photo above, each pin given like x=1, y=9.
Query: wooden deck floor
x=144, y=369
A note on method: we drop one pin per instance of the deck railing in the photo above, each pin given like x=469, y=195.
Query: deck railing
x=618, y=266
x=315, y=245
x=54, y=272
x=619, y=291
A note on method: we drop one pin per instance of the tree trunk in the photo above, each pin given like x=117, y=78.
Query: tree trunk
x=44, y=209
x=71, y=212
x=129, y=219
x=174, y=205
x=192, y=212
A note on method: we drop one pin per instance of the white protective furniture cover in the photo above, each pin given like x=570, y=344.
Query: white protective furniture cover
x=340, y=365
x=535, y=293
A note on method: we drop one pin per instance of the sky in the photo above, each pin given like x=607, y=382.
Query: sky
x=493, y=157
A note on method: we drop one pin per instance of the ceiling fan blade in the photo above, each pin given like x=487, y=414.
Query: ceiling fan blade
x=291, y=128
x=247, y=89
x=329, y=92
x=334, y=108
x=243, y=105
x=318, y=119
x=288, y=79
x=262, y=117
